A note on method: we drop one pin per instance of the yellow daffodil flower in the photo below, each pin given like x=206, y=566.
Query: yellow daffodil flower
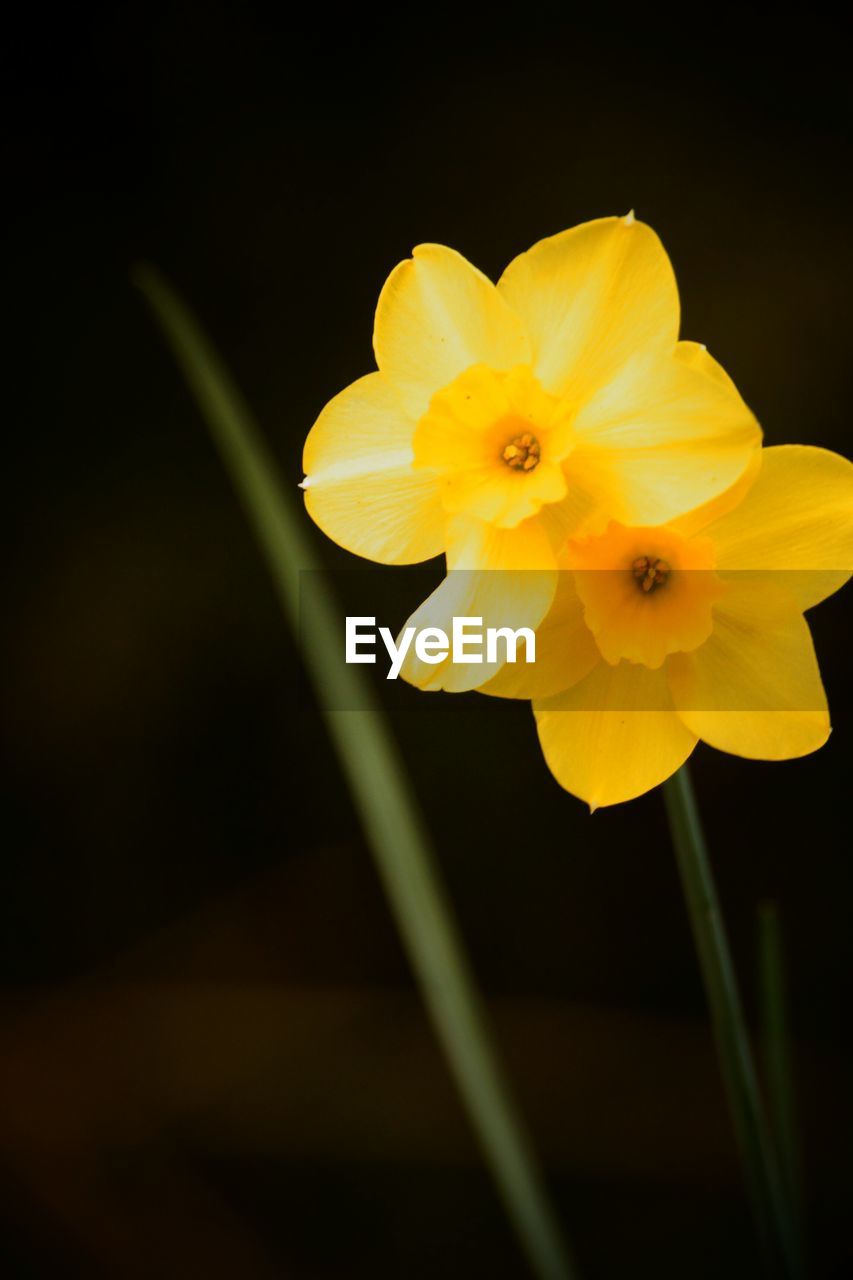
x=501, y=416
x=662, y=635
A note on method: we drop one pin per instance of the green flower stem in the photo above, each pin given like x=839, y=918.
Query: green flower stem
x=379, y=786
x=778, y=1057
x=756, y=1150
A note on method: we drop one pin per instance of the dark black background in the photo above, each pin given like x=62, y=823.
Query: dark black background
x=214, y=1060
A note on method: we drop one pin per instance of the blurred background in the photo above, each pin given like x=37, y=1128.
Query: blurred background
x=213, y=1058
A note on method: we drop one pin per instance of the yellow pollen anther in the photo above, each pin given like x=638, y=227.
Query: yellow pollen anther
x=650, y=572
x=522, y=453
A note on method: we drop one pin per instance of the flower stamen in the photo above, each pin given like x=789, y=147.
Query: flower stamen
x=650, y=572
x=522, y=453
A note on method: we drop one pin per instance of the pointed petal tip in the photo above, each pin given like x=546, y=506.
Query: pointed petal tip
x=630, y=218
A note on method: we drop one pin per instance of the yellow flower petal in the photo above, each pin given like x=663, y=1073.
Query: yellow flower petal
x=436, y=316
x=697, y=356
x=613, y=736
x=796, y=522
x=506, y=577
x=565, y=651
x=590, y=297
x=664, y=436
x=578, y=514
x=696, y=521
x=361, y=487
x=754, y=687
x=474, y=544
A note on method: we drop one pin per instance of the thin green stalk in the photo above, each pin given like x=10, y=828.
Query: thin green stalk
x=778, y=1056
x=380, y=789
x=758, y=1158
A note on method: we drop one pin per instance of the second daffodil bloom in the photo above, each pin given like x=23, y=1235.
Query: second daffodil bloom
x=502, y=415
x=663, y=635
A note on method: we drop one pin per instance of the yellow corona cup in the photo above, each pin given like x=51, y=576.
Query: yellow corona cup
x=502, y=416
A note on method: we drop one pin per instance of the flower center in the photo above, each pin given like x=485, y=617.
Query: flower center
x=650, y=572
x=522, y=453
